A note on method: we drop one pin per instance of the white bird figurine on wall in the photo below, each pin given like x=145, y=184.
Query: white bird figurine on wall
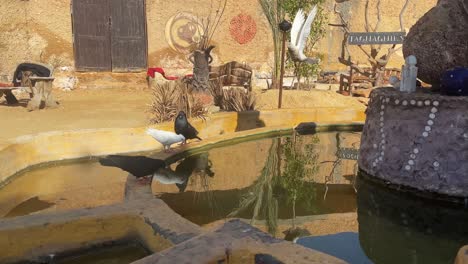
x=299, y=33
x=166, y=138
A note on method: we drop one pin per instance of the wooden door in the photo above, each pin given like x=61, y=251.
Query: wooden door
x=129, y=44
x=91, y=29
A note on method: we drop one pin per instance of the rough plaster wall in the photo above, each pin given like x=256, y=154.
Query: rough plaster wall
x=35, y=30
x=354, y=10
x=36, y=27
x=256, y=52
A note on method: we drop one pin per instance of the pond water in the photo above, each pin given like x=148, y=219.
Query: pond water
x=306, y=189
x=300, y=188
x=117, y=254
x=62, y=187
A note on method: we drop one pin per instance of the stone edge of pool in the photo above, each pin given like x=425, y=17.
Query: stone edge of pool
x=31, y=150
x=139, y=216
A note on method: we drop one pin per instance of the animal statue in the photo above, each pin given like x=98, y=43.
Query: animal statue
x=183, y=127
x=166, y=138
x=299, y=33
x=139, y=166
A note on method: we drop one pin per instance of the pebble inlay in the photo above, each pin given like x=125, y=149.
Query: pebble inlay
x=382, y=134
x=425, y=133
x=427, y=130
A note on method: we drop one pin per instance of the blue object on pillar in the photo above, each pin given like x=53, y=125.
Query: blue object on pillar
x=455, y=82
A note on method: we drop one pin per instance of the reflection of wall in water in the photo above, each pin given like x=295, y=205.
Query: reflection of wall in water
x=238, y=166
x=327, y=148
x=68, y=186
x=235, y=167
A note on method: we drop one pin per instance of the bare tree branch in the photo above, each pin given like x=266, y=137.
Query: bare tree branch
x=402, y=27
x=336, y=25
x=366, y=16
x=343, y=21
x=378, y=17
x=354, y=66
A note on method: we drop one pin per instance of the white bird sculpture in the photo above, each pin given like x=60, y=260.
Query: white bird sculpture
x=166, y=138
x=299, y=33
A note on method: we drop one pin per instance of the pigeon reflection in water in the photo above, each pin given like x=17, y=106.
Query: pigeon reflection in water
x=145, y=167
x=196, y=164
x=139, y=166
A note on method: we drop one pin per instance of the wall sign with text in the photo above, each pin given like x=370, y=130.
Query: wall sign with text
x=368, y=38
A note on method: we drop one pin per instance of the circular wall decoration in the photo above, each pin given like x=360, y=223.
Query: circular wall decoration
x=183, y=30
x=243, y=28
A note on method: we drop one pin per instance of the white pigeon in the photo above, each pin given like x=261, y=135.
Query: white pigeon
x=166, y=138
x=299, y=33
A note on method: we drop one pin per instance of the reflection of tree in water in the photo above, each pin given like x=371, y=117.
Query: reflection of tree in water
x=299, y=167
x=337, y=164
x=199, y=167
x=282, y=181
x=260, y=195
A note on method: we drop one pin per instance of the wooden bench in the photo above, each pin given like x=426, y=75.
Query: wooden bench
x=347, y=81
x=6, y=89
x=233, y=74
x=40, y=91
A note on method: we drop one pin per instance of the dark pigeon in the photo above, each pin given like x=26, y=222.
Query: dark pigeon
x=138, y=166
x=182, y=126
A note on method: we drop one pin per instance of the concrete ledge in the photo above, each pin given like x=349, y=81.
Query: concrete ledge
x=149, y=221
x=25, y=151
x=237, y=242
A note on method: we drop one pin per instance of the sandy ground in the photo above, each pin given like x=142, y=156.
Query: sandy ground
x=79, y=109
x=305, y=99
x=127, y=107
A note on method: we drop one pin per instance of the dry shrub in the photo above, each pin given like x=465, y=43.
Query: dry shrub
x=238, y=100
x=233, y=99
x=169, y=98
x=216, y=90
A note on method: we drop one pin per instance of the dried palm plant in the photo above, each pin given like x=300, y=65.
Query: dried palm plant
x=233, y=99
x=216, y=90
x=169, y=98
x=238, y=100
x=260, y=195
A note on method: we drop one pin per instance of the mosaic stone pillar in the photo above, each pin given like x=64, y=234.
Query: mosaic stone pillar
x=417, y=140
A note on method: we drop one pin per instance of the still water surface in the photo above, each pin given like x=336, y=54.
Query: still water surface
x=301, y=188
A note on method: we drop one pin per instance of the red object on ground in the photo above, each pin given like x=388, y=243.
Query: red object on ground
x=151, y=72
x=6, y=85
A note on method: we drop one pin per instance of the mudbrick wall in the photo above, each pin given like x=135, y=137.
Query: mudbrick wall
x=417, y=140
x=41, y=30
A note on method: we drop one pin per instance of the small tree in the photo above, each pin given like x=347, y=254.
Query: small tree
x=276, y=11
x=378, y=62
x=317, y=32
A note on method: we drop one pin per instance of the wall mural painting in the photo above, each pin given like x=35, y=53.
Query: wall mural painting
x=183, y=30
x=243, y=28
